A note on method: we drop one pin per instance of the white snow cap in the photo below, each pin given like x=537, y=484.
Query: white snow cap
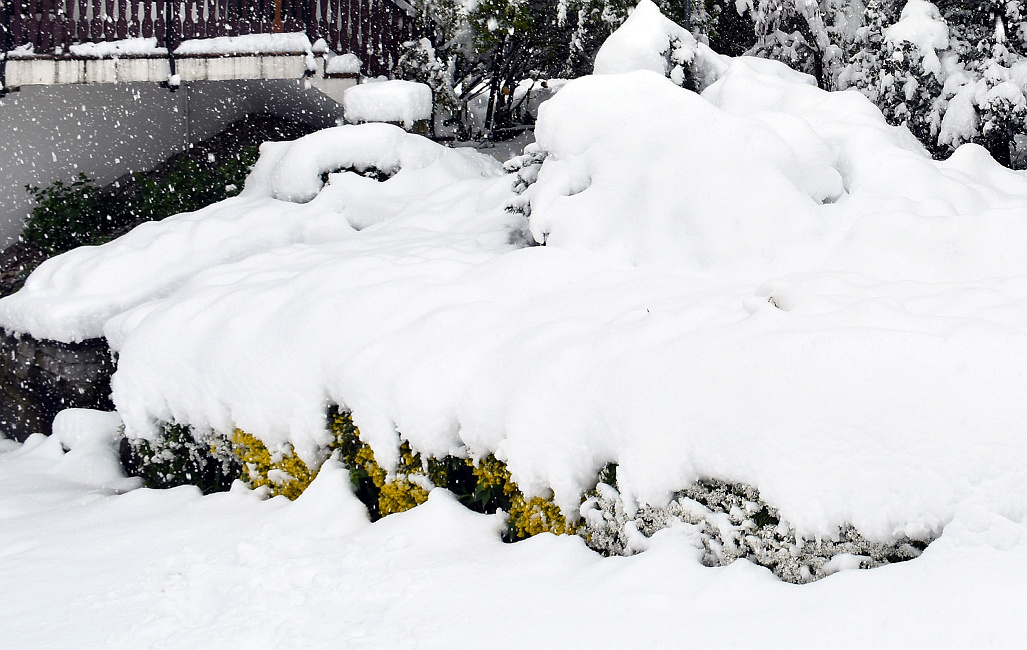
x=388, y=101
x=290, y=43
x=347, y=63
x=647, y=40
x=922, y=25
x=69, y=297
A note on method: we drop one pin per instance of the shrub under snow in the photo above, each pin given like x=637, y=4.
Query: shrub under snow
x=765, y=283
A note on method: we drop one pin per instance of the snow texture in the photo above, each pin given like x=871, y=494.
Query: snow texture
x=646, y=41
x=764, y=284
x=395, y=100
x=347, y=63
x=921, y=24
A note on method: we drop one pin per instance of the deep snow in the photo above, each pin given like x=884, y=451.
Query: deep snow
x=85, y=567
x=762, y=283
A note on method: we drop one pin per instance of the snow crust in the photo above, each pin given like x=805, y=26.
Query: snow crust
x=764, y=283
x=395, y=100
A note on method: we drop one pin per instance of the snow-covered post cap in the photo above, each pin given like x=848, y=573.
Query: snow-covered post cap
x=396, y=101
x=343, y=64
x=647, y=40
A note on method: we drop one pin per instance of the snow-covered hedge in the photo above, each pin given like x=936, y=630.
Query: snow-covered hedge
x=728, y=521
x=763, y=283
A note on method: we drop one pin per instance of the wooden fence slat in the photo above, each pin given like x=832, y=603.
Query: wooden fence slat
x=81, y=21
x=175, y=26
x=108, y=21
x=159, y=28
x=121, y=27
x=146, y=26
x=32, y=24
x=374, y=30
x=353, y=27
x=44, y=39
x=188, y=25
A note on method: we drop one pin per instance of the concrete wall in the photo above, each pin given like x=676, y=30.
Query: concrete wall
x=50, y=133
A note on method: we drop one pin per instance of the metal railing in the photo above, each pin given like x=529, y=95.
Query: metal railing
x=371, y=29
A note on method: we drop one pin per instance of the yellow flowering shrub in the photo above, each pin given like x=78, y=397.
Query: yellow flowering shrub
x=528, y=517
x=282, y=473
x=484, y=485
x=384, y=495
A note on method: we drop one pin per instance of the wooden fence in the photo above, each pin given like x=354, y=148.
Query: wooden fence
x=371, y=29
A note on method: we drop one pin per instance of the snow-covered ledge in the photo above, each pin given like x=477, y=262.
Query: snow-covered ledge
x=61, y=70
x=254, y=56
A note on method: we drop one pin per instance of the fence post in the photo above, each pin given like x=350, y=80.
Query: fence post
x=169, y=42
x=5, y=45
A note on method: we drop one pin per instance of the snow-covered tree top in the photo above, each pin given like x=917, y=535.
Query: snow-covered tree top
x=647, y=40
x=922, y=25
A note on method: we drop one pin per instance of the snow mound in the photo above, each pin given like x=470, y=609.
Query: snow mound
x=764, y=284
x=763, y=174
x=291, y=171
x=646, y=41
x=70, y=297
x=347, y=63
x=388, y=101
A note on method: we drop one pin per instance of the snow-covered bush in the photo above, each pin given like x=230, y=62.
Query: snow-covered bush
x=525, y=167
x=732, y=522
x=281, y=472
x=181, y=455
x=483, y=484
x=950, y=72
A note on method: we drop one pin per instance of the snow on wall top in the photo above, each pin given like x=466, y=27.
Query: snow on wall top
x=388, y=101
x=290, y=43
x=348, y=63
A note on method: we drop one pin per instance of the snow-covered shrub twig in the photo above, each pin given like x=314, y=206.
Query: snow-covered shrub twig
x=730, y=521
x=526, y=167
x=180, y=455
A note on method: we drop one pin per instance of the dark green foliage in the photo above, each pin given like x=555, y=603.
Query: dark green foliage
x=177, y=457
x=67, y=215
x=80, y=213
x=189, y=185
x=729, y=33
